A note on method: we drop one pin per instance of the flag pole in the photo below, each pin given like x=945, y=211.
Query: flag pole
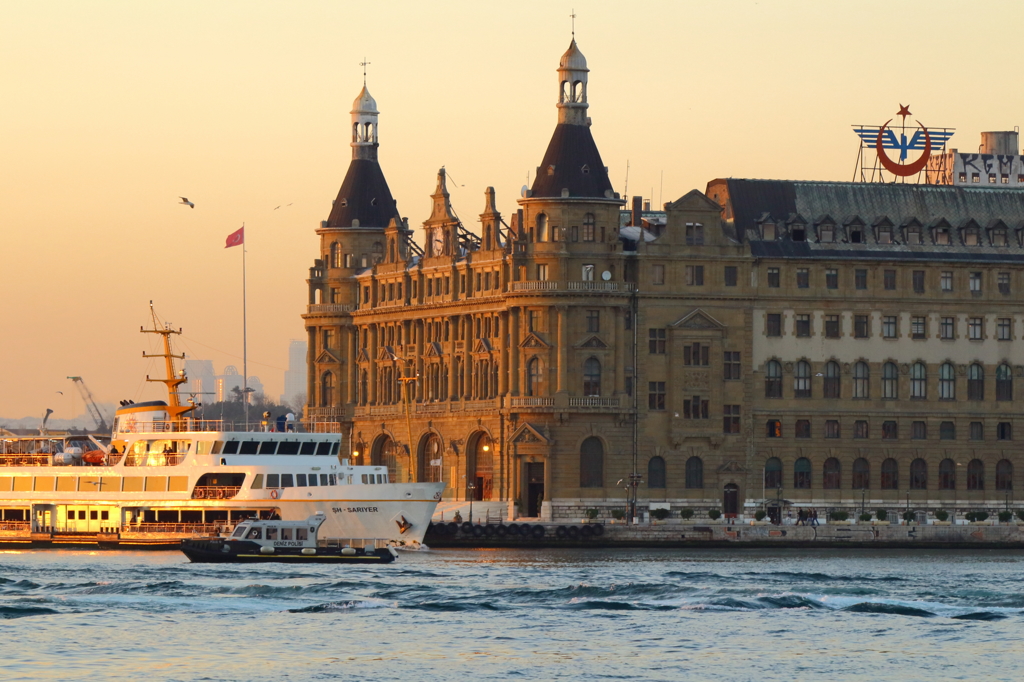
x=245, y=343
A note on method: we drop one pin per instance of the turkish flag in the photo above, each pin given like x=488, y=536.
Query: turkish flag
x=235, y=238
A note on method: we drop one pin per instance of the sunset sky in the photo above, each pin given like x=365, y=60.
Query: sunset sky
x=111, y=110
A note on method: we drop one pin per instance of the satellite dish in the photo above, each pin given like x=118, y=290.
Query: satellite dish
x=606, y=275
x=523, y=191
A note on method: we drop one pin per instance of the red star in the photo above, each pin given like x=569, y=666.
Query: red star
x=904, y=110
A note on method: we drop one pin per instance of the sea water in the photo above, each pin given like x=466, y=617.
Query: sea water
x=731, y=614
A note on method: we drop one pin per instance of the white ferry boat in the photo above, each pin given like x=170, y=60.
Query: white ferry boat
x=165, y=475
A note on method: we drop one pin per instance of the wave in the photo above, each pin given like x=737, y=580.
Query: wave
x=453, y=606
x=8, y=612
x=338, y=606
x=888, y=609
x=980, y=615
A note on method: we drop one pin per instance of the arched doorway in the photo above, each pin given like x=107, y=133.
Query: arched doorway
x=481, y=467
x=387, y=453
x=431, y=460
x=731, y=500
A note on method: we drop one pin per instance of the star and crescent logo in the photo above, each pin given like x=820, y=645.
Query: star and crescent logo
x=883, y=137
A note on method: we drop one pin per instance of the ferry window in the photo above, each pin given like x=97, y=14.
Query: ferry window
x=94, y=515
x=203, y=447
x=288, y=448
x=239, y=532
x=323, y=479
x=257, y=483
x=268, y=447
x=217, y=445
x=301, y=534
x=300, y=480
x=308, y=448
x=363, y=478
x=286, y=481
x=380, y=478
x=332, y=478
x=156, y=484
x=230, y=447
x=177, y=484
x=66, y=484
x=249, y=447
x=272, y=533
x=323, y=448
x=104, y=515
x=312, y=479
x=273, y=480
x=286, y=533
x=335, y=448
x=254, y=534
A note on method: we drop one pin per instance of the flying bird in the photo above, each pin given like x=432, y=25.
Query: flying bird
x=188, y=203
x=61, y=392
x=276, y=207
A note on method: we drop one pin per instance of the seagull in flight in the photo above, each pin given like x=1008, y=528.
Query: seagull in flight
x=188, y=203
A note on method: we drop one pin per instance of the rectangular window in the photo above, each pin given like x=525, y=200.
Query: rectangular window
x=860, y=279
x=774, y=324
x=889, y=430
x=889, y=280
x=832, y=278
x=826, y=234
x=732, y=365
x=542, y=272
x=773, y=278
x=656, y=341
x=730, y=275
x=1004, y=431
x=918, y=281
x=832, y=428
x=918, y=327
x=803, y=325
x=656, y=395
x=695, y=408
x=588, y=273
x=975, y=328
x=947, y=431
x=588, y=231
x=1004, y=325
x=803, y=278
x=946, y=280
x=657, y=274
x=593, y=321
x=832, y=326
x=773, y=428
x=1004, y=282
x=977, y=431
x=803, y=428
x=696, y=354
x=861, y=326
x=860, y=429
x=694, y=234
x=918, y=431
x=731, y=419
x=695, y=275
x=889, y=327
x=975, y=279
x=947, y=328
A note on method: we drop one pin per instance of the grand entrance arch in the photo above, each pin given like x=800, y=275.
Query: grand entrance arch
x=480, y=467
x=387, y=453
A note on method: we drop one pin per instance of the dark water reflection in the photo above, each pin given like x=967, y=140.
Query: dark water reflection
x=498, y=615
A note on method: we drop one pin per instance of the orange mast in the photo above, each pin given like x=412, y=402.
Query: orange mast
x=175, y=409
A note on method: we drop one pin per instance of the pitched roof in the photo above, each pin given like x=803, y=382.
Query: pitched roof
x=572, y=162
x=364, y=196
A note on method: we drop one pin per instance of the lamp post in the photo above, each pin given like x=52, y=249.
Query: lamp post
x=863, y=494
x=778, y=502
x=471, y=487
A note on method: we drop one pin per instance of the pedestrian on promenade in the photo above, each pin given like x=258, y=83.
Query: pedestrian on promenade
x=814, y=517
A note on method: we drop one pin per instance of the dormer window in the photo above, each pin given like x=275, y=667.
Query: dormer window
x=999, y=237
x=586, y=169
x=885, y=235
x=694, y=234
x=798, y=233
x=551, y=169
x=344, y=203
x=768, y=232
x=913, y=235
x=942, y=236
x=856, y=236
x=971, y=237
x=827, y=234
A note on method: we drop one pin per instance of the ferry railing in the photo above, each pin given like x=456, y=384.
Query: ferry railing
x=26, y=460
x=157, y=459
x=175, y=426
x=215, y=492
x=358, y=543
x=199, y=528
x=15, y=525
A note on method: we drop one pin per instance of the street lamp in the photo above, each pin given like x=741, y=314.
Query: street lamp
x=778, y=502
x=471, y=487
x=863, y=494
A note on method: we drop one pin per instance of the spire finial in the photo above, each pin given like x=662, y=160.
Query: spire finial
x=573, y=17
x=364, y=64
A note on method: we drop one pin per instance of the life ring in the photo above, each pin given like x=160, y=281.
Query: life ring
x=273, y=494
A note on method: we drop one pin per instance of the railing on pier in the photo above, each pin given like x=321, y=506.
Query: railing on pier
x=215, y=492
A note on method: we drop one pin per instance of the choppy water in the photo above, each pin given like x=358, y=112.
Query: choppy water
x=499, y=615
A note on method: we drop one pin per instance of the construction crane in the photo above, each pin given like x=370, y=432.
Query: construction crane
x=90, y=404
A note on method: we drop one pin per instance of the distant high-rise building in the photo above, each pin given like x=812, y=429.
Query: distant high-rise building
x=201, y=380
x=227, y=383
x=295, y=376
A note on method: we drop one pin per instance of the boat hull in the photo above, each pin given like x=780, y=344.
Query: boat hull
x=214, y=551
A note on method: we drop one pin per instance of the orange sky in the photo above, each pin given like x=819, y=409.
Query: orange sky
x=111, y=110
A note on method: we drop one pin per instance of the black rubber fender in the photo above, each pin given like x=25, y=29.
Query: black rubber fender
x=538, y=532
x=512, y=529
x=489, y=529
x=467, y=527
x=477, y=531
x=598, y=530
x=573, y=532
x=501, y=530
x=560, y=532
x=453, y=528
x=587, y=532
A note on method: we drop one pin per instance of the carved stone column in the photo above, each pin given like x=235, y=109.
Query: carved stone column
x=503, y=343
x=421, y=378
x=453, y=390
x=467, y=327
x=620, y=353
x=311, y=396
x=514, y=344
x=353, y=367
x=372, y=352
x=563, y=349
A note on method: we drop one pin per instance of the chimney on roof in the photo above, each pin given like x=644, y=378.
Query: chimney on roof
x=647, y=204
x=637, y=203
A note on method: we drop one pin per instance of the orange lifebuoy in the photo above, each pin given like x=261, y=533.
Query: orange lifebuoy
x=273, y=494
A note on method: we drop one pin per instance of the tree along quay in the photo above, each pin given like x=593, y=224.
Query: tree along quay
x=542, y=535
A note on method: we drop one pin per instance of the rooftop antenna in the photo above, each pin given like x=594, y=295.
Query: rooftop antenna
x=364, y=64
x=625, y=188
x=661, y=190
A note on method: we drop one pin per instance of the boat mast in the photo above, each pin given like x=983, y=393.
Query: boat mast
x=174, y=407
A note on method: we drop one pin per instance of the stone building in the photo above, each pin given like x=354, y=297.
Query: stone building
x=765, y=341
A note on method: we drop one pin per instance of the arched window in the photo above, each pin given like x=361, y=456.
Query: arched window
x=695, y=472
x=542, y=227
x=860, y=380
x=890, y=381
x=919, y=474
x=592, y=463
x=830, y=474
x=802, y=380
x=335, y=255
x=1004, y=383
x=802, y=473
x=832, y=385
x=773, y=473
x=363, y=384
x=947, y=475
x=975, y=382
x=861, y=474
x=975, y=475
x=947, y=382
x=327, y=389
x=378, y=252
x=1004, y=475
x=656, y=472
x=533, y=377
x=431, y=460
x=773, y=379
x=890, y=474
x=592, y=378
x=918, y=381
